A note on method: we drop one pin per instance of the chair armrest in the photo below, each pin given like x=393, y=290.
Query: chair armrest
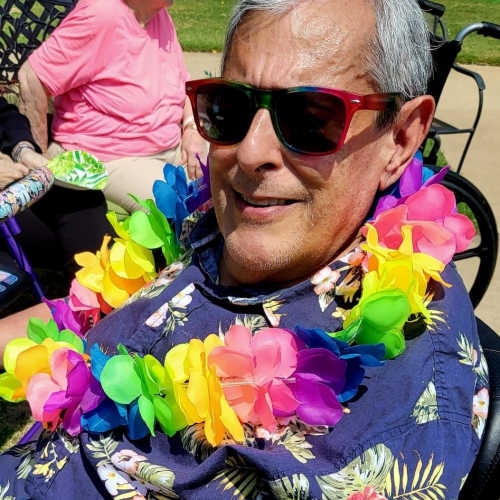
x=476, y=76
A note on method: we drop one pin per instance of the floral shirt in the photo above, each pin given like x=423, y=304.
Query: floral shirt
x=413, y=430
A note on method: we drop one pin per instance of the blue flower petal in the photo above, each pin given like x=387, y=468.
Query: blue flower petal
x=137, y=429
x=104, y=418
x=98, y=360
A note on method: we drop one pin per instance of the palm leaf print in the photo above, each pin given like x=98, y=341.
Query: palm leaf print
x=296, y=444
x=295, y=487
x=194, y=441
x=158, y=476
x=27, y=454
x=240, y=477
x=3, y=492
x=466, y=350
x=103, y=449
x=369, y=469
x=426, y=408
x=425, y=484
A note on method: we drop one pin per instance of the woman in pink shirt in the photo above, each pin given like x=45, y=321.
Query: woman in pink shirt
x=117, y=73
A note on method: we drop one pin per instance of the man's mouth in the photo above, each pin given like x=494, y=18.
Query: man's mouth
x=263, y=201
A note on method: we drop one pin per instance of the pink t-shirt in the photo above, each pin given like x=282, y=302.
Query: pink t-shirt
x=119, y=87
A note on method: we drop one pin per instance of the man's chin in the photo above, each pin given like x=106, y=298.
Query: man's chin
x=257, y=259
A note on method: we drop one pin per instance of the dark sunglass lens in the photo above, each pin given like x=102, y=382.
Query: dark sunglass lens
x=311, y=122
x=224, y=112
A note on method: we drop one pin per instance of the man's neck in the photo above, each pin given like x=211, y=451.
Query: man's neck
x=143, y=11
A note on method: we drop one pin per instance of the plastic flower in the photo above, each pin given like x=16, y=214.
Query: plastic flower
x=25, y=357
x=97, y=275
x=319, y=377
x=85, y=305
x=355, y=356
x=63, y=315
x=437, y=229
x=176, y=198
x=65, y=394
x=400, y=269
x=130, y=379
x=128, y=259
x=151, y=229
x=414, y=178
x=252, y=368
x=199, y=391
x=110, y=414
x=378, y=318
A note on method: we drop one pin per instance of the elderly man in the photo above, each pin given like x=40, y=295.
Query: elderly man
x=294, y=174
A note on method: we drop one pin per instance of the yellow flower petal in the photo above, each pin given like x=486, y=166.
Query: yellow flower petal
x=31, y=361
x=9, y=386
x=112, y=294
x=175, y=360
x=117, y=226
x=212, y=341
x=12, y=351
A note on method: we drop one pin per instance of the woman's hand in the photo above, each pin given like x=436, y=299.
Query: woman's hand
x=192, y=143
x=10, y=171
x=32, y=159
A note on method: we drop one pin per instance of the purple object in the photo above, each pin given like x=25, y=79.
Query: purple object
x=411, y=181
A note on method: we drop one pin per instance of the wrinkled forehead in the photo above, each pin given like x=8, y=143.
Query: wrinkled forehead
x=316, y=42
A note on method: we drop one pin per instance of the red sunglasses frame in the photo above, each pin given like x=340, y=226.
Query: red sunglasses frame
x=263, y=98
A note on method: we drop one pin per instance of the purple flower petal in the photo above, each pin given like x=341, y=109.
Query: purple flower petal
x=319, y=364
x=318, y=404
x=411, y=180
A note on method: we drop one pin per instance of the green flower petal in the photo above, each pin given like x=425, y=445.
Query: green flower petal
x=119, y=379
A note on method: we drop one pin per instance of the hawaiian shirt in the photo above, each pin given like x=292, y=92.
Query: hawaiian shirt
x=413, y=430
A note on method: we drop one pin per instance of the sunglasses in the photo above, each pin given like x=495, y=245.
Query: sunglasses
x=307, y=120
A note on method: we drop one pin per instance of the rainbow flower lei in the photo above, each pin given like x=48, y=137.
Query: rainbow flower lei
x=263, y=379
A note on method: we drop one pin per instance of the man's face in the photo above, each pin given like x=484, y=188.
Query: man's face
x=283, y=215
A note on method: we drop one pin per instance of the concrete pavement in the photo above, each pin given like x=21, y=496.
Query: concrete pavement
x=482, y=165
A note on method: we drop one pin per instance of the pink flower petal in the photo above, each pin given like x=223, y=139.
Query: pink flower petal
x=264, y=411
x=463, y=229
x=59, y=366
x=241, y=398
x=40, y=387
x=287, y=345
x=267, y=362
x=230, y=363
x=283, y=400
x=82, y=298
x=239, y=339
x=430, y=203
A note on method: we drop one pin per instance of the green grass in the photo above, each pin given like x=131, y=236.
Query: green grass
x=201, y=25
x=476, y=48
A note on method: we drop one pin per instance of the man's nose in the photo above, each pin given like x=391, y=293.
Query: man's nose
x=260, y=149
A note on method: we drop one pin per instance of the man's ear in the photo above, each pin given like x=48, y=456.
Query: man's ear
x=409, y=131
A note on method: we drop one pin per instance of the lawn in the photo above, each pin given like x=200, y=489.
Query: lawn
x=201, y=25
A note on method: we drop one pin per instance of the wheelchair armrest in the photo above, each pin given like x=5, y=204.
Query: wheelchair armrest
x=432, y=8
x=21, y=194
x=476, y=76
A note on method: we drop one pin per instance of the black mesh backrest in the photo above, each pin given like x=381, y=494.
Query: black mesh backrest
x=444, y=53
x=24, y=25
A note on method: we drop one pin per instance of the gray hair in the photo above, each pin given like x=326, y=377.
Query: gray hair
x=398, y=58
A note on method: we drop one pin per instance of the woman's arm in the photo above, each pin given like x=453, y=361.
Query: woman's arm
x=34, y=103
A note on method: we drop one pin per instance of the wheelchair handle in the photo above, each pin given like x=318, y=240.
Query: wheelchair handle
x=432, y=8
x=484, y=28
